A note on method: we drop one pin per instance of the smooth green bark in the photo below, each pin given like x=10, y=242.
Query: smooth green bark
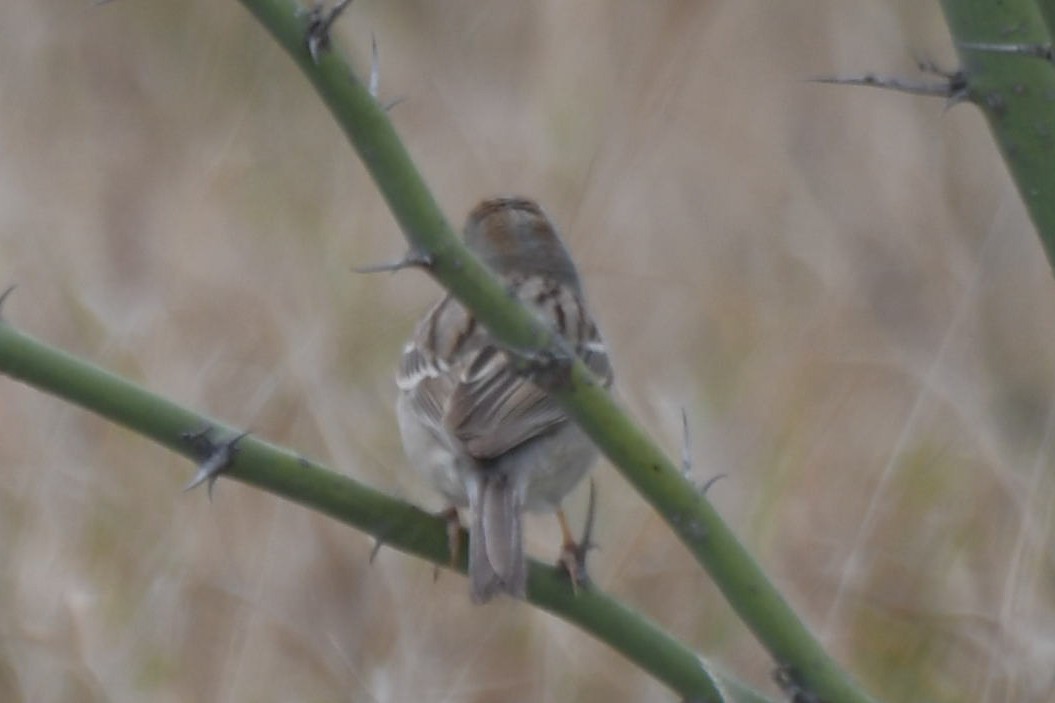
x=395, y=523
x=1015, y=92
x=640, y=460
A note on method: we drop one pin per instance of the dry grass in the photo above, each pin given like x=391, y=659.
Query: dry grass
x=840, y=285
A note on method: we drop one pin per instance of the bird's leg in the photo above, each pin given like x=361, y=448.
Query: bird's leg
x=454, y=538
x=573, y=554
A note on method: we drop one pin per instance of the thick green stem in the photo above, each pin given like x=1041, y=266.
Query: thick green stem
x=395, y=523
x=658, y=479
x=1016, y=92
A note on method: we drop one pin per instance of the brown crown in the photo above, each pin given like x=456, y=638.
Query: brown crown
x=514, y=236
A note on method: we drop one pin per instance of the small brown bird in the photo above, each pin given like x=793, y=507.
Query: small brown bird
x=486, y=437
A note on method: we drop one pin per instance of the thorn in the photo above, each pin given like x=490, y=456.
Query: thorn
x=954, y=89
x=387, y=107
x=378, y=543
x=4, y=296
x=319, y=24
x=216, y=457
x=686, y=458
x=710, y=482
x=412, y=259
x=686, y=449
x=375, y=67
x=1037, y=51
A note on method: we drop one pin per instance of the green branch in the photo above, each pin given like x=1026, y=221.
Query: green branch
x=1016, y=92
x=799, y=656
x=1008, y=72
x=393, y=522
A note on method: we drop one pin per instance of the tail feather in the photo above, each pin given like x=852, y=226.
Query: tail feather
x=496, y=541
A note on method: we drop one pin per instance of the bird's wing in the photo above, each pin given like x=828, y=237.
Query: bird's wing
x=464, y=385
x=493, y=409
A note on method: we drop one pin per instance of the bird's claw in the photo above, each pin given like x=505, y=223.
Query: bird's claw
x=572, y=562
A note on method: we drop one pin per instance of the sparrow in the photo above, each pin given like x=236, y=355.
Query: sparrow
x=484, y=435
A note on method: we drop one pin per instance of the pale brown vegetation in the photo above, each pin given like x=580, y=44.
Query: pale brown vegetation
x=839, y=285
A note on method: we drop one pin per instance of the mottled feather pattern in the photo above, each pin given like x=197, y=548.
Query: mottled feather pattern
x=467, y=385
x=481, y=431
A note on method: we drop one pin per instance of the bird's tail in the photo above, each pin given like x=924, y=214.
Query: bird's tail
x=496, y=541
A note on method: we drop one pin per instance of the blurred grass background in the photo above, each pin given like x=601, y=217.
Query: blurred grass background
x=839, y=285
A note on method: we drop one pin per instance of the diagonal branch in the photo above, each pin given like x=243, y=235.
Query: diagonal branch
x=637, y=457
x=998, y=45
x=390, y=521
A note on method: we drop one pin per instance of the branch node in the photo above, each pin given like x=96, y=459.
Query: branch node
x=320, y=21
x=789, y=681
x=215, y=457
